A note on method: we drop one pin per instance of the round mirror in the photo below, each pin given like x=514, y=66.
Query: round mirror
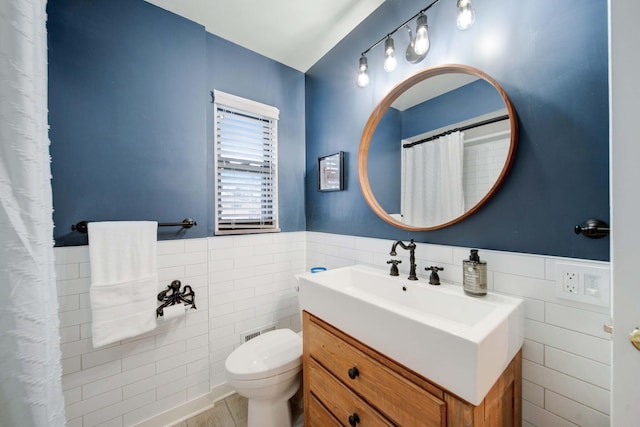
x=437, y=147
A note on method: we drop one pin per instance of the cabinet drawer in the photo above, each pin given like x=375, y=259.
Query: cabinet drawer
x=399, y=399
x=318, y=415
x=340, y=401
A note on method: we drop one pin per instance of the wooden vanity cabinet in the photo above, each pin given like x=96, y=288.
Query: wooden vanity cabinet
x=346, y=383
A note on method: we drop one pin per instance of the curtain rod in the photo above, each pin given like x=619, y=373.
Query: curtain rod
x=460, y=129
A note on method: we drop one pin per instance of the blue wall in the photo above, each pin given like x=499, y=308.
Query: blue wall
x=551, y=59
x=243, y=73
x=131, y=116
x=386, y=157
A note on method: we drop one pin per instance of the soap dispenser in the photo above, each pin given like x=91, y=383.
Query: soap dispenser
x=474, y=275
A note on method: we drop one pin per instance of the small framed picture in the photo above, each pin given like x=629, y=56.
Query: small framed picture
x=331, y=172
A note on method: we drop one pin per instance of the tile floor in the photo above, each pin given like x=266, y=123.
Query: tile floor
x=232, y=412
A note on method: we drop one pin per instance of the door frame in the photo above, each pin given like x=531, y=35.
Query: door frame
x=624, y=173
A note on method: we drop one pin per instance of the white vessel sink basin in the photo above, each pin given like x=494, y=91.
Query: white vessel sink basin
x=460, y=342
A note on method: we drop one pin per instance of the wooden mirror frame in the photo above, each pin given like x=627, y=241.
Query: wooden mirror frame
x=389, y=99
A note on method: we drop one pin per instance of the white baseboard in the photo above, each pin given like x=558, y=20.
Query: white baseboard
x=221, y=391
x=189, y=409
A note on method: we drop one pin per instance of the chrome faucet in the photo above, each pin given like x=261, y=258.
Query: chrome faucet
x=411, y=247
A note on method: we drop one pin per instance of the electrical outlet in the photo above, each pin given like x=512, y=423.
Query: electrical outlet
x=570, y=282
x=587, y=283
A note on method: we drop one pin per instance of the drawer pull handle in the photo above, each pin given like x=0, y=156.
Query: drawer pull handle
x=353, y=420
x=353, y=373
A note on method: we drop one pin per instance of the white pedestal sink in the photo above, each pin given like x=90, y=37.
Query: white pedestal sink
x=461, y=343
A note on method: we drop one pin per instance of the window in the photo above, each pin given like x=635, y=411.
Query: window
x=246, y=141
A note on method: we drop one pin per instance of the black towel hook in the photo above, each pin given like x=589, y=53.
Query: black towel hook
x=593, y=229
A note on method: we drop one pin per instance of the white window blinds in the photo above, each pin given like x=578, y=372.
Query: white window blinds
x=246, y=136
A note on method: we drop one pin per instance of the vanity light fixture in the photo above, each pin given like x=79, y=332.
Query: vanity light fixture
x=418, y=46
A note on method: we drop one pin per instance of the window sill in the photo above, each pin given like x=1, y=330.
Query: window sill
x=246, y=231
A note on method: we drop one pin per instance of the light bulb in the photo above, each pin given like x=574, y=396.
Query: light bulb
x=363, y=76
x=410, y=55
x=466, y=14
x=389, y=55
x=363, y=79
x=421, y=46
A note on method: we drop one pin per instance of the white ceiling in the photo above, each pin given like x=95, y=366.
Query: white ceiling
x=296, y=33
x=431, y=88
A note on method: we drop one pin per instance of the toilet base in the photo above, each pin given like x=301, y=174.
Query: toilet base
x=271, y=412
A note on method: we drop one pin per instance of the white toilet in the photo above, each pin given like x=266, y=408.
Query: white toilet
x=267, y=371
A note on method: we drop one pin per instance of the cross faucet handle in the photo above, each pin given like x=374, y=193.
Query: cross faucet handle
x=434, y=279
x=394, y=266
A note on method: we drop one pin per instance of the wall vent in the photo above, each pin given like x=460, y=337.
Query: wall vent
x=248, y=335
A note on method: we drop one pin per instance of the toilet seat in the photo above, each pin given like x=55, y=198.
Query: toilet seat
x=268, y=355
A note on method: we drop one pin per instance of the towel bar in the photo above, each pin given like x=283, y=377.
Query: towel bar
x=186, y=223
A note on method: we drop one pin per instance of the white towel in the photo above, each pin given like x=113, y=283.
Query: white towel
x=124, y=282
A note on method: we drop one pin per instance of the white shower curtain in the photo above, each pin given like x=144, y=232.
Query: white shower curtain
x=30, y=370
x=433, y=191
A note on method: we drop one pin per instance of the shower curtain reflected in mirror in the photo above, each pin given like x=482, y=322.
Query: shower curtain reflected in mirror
x=433, y=171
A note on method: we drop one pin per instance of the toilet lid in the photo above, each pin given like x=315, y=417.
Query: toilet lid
x=267, y=355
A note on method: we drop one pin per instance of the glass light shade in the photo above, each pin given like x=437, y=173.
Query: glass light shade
x=390, y=61
x=363, y=75
x=422, y=35
x=410, y=55
x=466, y=14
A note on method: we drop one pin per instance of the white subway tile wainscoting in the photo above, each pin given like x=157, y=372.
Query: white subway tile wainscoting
x=241, y=283
x=245, y=283
x=138, y=378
